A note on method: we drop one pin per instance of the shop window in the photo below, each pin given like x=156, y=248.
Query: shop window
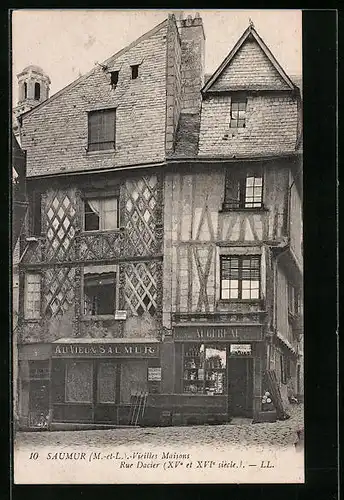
x=240, y=277
x=238, y=112
x=101, y=129
x=204, y=369
x=99, y=294
x=243, y=189
x=79, y=381
x=100, y=214
x=32, y=303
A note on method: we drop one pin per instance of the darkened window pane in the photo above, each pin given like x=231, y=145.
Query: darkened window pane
x=114, y=78
x=99, y=294
x=37, y=91
x=134, y=71
x=79, y=381
x=91, y=218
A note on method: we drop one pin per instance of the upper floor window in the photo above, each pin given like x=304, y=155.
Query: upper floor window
x=101, y=129
x=25, y=90
x=240, y=277
x=243, y=189
x=99, y=294
x=36, y=214
x=293, y=300
x=100, y=214
x=134, y=71
x=238, y=112
x=32, y=301
x=114, y=78
x=37, y=91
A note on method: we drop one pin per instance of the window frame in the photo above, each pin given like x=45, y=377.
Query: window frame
x=105, y=275
x=36, y=214
x=100, y=198
x=37, y=316
x=203, y=384
x=239, y=180
x=239, y=101
x=240, y=279
x=91, y=143
x=134, y=71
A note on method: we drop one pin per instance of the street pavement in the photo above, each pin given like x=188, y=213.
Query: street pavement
x=239, y=433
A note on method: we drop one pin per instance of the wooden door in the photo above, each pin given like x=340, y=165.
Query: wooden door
x=240, y=386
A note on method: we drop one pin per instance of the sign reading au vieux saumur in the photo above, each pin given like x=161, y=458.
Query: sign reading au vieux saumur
x=106, y=350
x=249, y=332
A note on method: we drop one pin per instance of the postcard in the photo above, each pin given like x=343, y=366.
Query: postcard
x=157, y=244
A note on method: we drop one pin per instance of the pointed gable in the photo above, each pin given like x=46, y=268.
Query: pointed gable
x=249, y=66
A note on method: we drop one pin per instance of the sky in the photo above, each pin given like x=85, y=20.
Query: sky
x=68, y=43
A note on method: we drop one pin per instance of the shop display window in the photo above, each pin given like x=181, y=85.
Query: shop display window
x=204, y=369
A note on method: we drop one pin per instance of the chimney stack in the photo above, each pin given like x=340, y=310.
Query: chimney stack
x=192, y=62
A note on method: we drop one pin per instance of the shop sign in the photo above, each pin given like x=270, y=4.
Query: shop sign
x=106, y=350
x=242, y=349
x=202, y=333
x=154, y=374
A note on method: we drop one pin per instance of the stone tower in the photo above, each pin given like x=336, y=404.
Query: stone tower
x=33, y=86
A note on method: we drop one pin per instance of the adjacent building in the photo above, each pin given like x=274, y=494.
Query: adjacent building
x=160, y=276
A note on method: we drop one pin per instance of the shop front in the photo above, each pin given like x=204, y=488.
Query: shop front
x=100, y=381
x=220, y=362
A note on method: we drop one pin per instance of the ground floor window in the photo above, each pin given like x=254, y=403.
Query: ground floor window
x=204, y=369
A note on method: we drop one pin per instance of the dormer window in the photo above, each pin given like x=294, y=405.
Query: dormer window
x=238, y=112
x=134, y=71
x=37, y=91
x=114, y=78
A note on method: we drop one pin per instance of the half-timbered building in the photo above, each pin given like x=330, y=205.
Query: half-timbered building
x=161, y=271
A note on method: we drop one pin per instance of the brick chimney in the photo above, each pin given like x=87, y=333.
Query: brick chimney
x=192, y=62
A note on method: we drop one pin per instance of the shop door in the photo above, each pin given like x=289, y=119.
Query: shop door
x=106, y=391
x=39, y=402
x=240, y=387
x=91, y=392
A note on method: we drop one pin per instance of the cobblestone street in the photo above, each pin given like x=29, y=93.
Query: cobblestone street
x=241, y=434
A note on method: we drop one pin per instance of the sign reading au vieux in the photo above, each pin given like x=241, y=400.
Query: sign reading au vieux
x=248, y=332
x=106, y=350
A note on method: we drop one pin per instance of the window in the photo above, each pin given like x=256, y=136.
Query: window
x=100, y=214
x=36, y=214
x=134, y=71
x=243, y=189
x=114, y=78
x=293, y=300
x=240, y=277
x=101, y=129
x=99, y=294
x=32, y=305
x=238, y=112
x=25, y=90
x=37, y=91
x=204, y=369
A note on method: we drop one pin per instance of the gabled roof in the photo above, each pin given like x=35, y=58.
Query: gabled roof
x=106, y=64
x=249, y=32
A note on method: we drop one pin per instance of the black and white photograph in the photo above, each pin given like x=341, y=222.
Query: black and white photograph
x=157, y=246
